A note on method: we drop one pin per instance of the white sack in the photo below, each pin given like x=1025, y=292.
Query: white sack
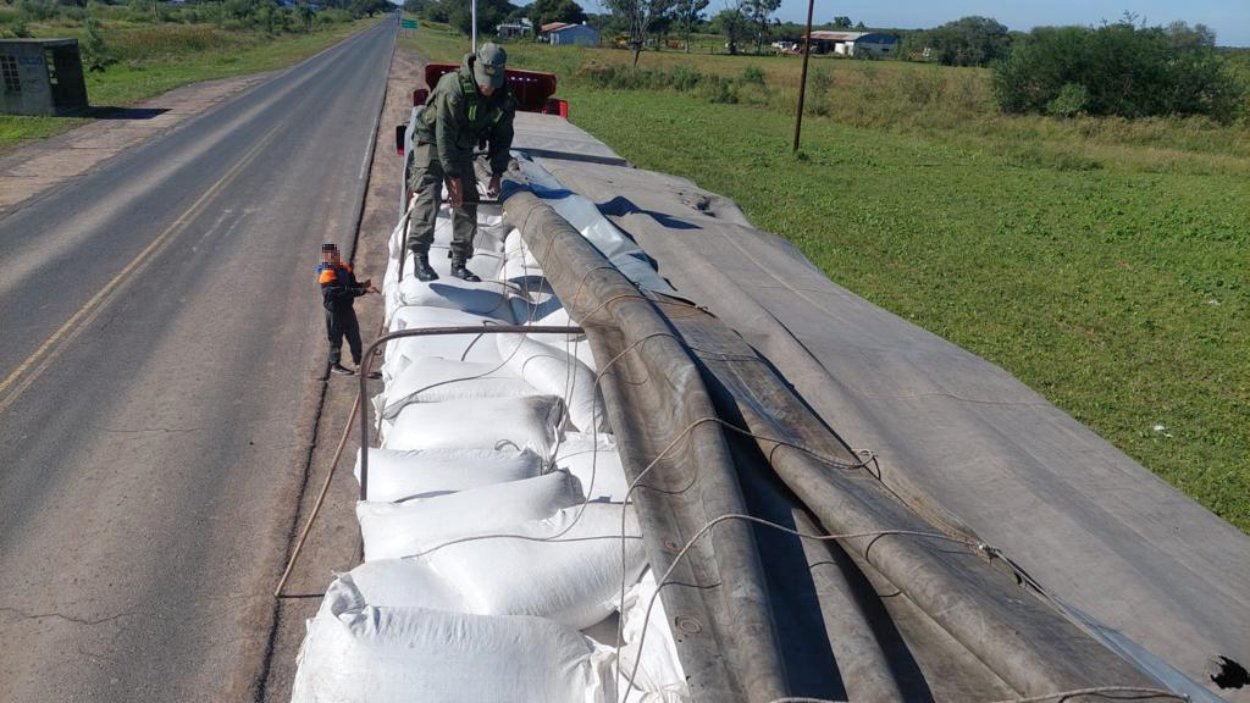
x=554, y=371
x=494, y=423
x=401, y=475
x=486, y=263
x=391, y=530
x=659, y=673
x=596, y=463
x=467, y=346
x=422, y=316
x=358, y=653
x=515, y=249
x=485, y=298
x=394, y=583
x=575, y=583
x=432, y=380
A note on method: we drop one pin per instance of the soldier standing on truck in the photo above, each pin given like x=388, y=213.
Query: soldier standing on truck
x=470, y=107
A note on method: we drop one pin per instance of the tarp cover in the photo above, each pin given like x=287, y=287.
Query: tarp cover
x=962, y=441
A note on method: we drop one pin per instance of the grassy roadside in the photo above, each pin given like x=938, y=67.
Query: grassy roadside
x=1115, y=282
x=161, y=58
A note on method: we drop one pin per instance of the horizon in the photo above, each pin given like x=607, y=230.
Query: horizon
x=1230, y=23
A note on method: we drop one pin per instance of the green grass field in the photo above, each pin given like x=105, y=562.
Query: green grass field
x=1105, y=263
x=157, y=58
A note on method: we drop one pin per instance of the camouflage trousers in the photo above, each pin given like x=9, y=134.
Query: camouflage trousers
x=425, y=178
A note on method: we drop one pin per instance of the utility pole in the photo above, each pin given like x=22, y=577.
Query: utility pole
x=474, y=12
x=807, y=51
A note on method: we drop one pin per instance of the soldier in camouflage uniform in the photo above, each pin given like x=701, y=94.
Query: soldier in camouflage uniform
x=467, y=108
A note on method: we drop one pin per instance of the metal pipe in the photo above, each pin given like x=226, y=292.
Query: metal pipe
x=807, y=52
x=367, y=365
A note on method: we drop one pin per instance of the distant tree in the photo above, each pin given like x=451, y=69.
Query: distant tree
x=731, y=22
x=969, y=41
x=688, y=14
x=1119, y=69
x=416, y=7
x=759, y=13
x=641, y=14
x=544, y=11
x=306, y=14
x=362, y=8
x=1185, y=38
x=842, y=22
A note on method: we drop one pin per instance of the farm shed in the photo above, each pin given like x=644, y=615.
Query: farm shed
x=574, y=34
x=41, y=77
x=854, y=43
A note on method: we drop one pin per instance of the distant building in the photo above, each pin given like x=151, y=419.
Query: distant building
x=41, y=77
x=545, y=31
x=854, y=43
x=510, y=30
x=572, y=34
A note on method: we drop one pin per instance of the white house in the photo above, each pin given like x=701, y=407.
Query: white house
x=854, y=43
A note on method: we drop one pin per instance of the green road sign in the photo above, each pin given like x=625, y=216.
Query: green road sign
x=408, y=24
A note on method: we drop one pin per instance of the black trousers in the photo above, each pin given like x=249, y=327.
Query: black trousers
x=343, y=324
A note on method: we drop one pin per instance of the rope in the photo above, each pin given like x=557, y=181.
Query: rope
x=666, y=578
x=325, y=488
x=1103, y=692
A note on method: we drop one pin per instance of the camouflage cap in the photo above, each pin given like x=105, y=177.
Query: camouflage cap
x=488, y=69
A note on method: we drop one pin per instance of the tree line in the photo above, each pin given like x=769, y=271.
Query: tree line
x=1120, y=68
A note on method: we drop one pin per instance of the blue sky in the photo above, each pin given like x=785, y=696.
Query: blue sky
x=1229, y=18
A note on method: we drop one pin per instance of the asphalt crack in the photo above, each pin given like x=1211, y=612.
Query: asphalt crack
x=24, y=615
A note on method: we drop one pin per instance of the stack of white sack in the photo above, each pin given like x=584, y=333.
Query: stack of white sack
x=557, y=372
x=568, y=567
x=355, y=652
x=392, y=530
x=400, y=475
x=491, y=535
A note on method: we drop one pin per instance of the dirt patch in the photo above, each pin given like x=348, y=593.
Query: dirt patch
x=35, y=168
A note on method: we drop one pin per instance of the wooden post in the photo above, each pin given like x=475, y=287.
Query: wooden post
x=807, y=51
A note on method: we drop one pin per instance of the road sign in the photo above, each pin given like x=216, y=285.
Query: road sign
x=408, y=24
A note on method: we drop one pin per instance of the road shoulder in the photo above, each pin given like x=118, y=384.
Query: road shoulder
x=36, y=168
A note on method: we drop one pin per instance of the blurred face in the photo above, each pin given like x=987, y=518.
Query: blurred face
x=330, y=257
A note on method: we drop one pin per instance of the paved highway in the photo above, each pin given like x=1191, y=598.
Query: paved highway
x=160, y=340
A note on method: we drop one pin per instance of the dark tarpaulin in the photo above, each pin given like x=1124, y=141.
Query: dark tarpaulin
x=963, y=442
x=785, y=630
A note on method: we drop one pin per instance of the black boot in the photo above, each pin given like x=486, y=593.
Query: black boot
x=421, y=268
x=459, y=270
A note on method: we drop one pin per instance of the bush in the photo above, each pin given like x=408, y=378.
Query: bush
x=1119, y=69
x=37, y=9
x=753, y=75
x=96, y=55
x=1070, y=102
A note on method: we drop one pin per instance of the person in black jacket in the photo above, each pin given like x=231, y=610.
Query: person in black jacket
x=339, y=289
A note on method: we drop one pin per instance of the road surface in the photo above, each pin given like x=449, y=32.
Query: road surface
x=160, y=341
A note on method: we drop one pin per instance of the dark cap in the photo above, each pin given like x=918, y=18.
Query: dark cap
x=329, y=246
x=489, y=68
